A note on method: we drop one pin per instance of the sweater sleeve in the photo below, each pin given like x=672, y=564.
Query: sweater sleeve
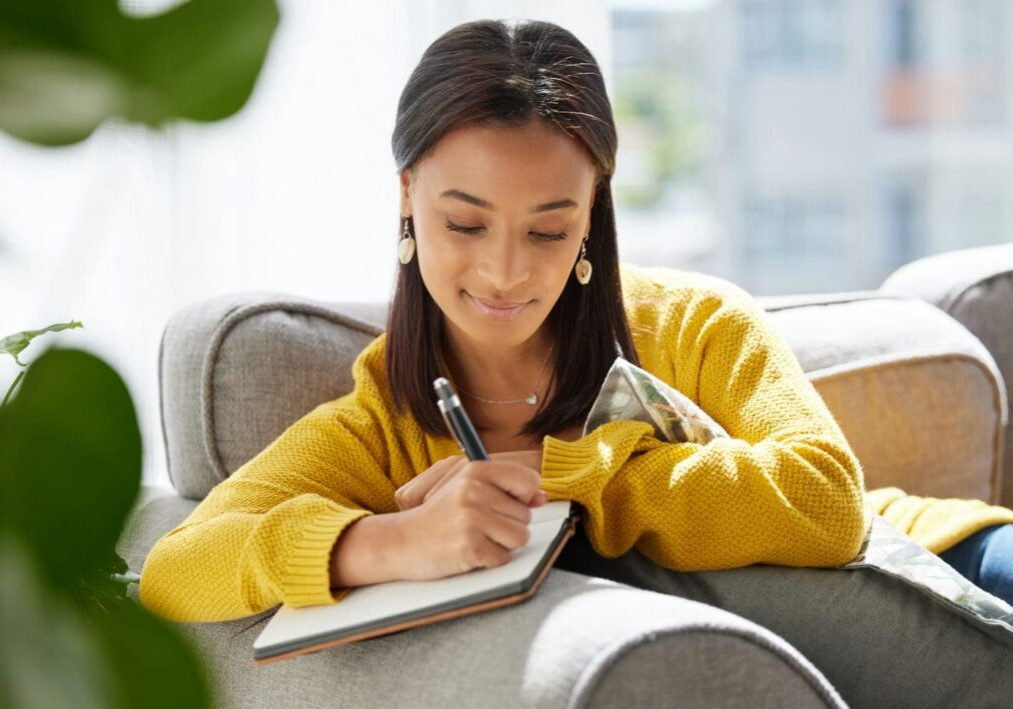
x=935, y=523
x=264, y=535
x=784, y=489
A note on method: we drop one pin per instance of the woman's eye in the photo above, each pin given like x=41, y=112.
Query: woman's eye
x=465, y=229
x=550, y=237
x=475, y=229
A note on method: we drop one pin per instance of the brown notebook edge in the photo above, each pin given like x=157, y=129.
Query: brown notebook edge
x=428, y=620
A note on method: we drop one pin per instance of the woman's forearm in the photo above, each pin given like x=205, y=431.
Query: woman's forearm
x=366, y=552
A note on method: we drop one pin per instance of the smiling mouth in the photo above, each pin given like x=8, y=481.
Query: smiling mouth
x=503, y=313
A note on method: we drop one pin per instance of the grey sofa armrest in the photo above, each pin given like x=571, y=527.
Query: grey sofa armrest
x=975, y=287
x=919, y=397
x=236, y=370
x=579, y=642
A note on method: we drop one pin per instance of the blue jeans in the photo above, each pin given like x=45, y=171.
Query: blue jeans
x=986, y=558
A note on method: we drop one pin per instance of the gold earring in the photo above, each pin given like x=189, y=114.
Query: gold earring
x=583, y=267
x=406, y=247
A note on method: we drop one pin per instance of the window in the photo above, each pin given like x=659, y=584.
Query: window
x=779, y=230
x=791, y=34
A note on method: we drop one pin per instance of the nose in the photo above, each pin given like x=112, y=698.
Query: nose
x=504, y=265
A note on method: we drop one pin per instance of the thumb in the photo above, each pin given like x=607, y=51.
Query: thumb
x=539, y=499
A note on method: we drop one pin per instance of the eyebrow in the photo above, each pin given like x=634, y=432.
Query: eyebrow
x=479, y=202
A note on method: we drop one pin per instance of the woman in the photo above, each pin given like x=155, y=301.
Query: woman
x=510, y=285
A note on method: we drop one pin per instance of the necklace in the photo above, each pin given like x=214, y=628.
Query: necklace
x=532, y=399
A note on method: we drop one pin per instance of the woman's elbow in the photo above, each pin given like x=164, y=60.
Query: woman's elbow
x=176, y=588
x=848, y=525
x=158, y=590
x=848, y=537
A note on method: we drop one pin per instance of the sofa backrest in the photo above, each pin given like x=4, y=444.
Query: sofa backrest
x=975, y=287
x=235, y=371
x=918, y=396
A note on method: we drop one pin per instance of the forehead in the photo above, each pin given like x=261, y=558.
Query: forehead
x=494, y=162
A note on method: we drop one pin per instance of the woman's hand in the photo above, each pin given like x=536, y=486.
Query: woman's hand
x=423, y=486
x=476, y=518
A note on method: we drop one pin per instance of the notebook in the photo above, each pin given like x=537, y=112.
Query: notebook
x=379, y=609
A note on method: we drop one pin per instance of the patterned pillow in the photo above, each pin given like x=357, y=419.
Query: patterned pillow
x=631, y=393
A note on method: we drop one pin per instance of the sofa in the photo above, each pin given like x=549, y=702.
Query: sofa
x=914, y=373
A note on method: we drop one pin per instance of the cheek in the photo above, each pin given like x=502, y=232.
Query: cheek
x=563, y=259
x=441, y=266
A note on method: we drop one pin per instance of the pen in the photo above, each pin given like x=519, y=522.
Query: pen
x=457, y=420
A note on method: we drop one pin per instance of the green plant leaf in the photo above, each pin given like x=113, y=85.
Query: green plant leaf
x=49, y=657
x=70, y=463
x=117, y=655
x=104, y=587
x=16, y=343
x=67, y=65
x=155, y=666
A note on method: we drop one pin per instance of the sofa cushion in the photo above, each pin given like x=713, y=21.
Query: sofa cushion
x=974, y=286
x=235, y=371
x=879, y=640
x=578, y=642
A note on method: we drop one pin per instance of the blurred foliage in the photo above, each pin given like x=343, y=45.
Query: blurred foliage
x=70, y=444
x=68, y=65
x=16, y=343
x=655, y=109
x=70, y=472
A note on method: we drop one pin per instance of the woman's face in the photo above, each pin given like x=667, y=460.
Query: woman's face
x=524, y=195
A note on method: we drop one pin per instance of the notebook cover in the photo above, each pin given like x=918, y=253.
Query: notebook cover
x=267, y=655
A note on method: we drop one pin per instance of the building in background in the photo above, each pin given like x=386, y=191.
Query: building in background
x=811, y=145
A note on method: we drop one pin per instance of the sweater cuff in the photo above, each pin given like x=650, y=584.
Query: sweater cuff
x=562, y=459
x=605, y=448
x=307, y=578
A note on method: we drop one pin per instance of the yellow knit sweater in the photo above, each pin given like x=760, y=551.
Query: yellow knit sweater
x=934, y=523
x=785, y=489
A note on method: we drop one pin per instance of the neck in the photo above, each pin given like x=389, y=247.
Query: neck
x=498, y=372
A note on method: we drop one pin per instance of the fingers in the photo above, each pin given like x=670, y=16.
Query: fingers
x=459, y=462
x=414, y=492
x=443, y=481
x=505, y=532
x=503, y=503
x=518, y=480
x=418, y=490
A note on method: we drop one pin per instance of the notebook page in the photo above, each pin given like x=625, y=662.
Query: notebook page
x=557, y=509
x=365, y=604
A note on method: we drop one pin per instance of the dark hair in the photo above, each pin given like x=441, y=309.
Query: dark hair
x=488, y=72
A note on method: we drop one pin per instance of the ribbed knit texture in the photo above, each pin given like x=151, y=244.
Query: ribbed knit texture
x=937, y=524
x=785, y=489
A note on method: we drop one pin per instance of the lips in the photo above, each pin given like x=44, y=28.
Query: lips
x=497, y=303
x=498, y=309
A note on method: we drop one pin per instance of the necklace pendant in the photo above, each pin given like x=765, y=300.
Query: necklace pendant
x=533, y=399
